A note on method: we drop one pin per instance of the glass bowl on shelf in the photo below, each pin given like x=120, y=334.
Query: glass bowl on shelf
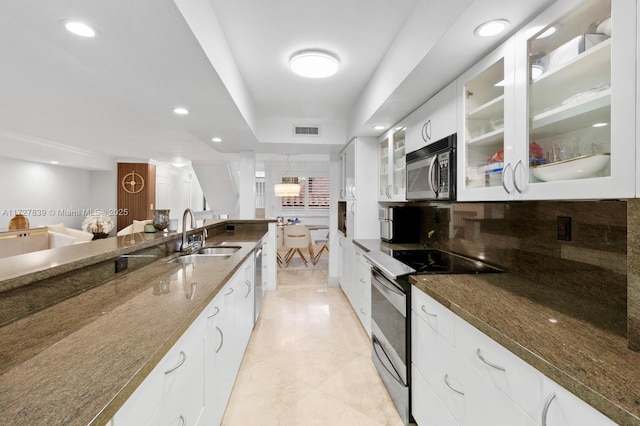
x=582, y=167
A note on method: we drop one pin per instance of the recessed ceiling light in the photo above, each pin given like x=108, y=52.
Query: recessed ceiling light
x=54, y=162
x=379, y=127
x=79, y=28
x=491, y=28
x=600, y=125
x=178, y=165
x=314, y=63
x=216, y=140
x=181, y=111
x=548, y=32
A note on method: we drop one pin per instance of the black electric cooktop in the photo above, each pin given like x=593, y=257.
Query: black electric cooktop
x=440, y=262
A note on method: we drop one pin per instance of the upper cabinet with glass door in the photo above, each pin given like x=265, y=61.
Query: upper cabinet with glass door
x=576, y=113
x=567, y=113
x=392, y=167
x=485, y=133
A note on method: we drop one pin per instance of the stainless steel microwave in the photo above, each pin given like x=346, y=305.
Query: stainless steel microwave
x=431, y=171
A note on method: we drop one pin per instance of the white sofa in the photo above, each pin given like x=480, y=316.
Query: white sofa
x=35, y=239
x=136, y=226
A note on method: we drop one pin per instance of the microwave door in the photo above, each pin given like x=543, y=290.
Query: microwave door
x=420, y=181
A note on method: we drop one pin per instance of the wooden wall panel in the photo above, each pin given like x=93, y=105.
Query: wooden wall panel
x=137, y=202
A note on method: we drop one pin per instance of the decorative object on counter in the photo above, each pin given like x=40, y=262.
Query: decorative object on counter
x=149, y=228
x=18, y=222
x=173, y=225
x=99, y=224
x=160, y=219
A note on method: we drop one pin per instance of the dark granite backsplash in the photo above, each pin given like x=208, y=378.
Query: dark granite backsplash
x=521, y=237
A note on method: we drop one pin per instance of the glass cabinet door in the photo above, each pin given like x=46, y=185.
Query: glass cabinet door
x=484, y=128
x=569, y=96
x=383, y=168
x=399, y=165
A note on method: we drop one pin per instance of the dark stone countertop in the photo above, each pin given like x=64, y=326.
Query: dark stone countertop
x=87, y=354
x=585, y=351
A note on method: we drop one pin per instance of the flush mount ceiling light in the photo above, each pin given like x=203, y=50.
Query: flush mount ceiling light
x=492, y=28
x=181, y=111
x=79, y=28
x=216, y=140
x=314, y=63
x=379, y=127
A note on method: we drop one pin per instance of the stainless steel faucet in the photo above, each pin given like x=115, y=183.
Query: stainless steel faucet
x=185, y=244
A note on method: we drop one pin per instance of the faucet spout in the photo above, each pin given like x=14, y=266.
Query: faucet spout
x=185, y=244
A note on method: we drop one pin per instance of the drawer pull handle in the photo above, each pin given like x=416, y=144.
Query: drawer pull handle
x=216, y=311
x=183, y=358
x=545, y=409
x=229, y=292
x=489, y=363
x=363, y=311
x=183, y=421
x=362, y=281
x=248, y=283
x=424, y=309
x=446, y=381
x=221, y=339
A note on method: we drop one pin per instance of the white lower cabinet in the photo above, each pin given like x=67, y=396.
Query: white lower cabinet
x=562, y=408
x=428, y=409
x=363, y=289
x=479, y=382
x=466, y=394
x=192, y=383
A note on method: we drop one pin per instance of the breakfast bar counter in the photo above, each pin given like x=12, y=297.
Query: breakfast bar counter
x=77, y=362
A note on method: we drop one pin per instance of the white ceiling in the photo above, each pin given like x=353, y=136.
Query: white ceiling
x=91, y=101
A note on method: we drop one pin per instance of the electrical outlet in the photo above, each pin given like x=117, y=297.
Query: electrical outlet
x=564, y=228
x=122, y=263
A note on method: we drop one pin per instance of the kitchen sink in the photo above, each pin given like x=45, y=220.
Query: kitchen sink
x=200, y=258
x=218, y=250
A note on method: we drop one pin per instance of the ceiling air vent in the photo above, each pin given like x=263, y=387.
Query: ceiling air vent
x=306, y=131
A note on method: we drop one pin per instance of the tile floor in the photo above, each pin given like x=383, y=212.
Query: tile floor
x=308, y=362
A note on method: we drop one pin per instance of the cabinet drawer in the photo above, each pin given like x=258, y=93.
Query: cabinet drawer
x=562, y=408
x=433, y=313
x=517, y=379
x=427, y=409
x=467, y=395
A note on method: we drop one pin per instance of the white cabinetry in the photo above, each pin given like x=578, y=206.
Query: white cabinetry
x=347, y=172
x=392, y=165
x=461, y=376
x=434, y=120
x=549, y=117
x=192, y=383
x=269, y=269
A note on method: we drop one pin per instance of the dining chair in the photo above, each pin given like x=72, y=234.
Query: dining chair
x=296, y=237
x=318, y=246
x=282, y=252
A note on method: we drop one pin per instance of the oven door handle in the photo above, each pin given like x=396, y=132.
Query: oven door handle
x=376, y=274
x=393, y=373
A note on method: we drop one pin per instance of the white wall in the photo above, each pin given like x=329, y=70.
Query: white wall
x=54, y=193
x=177, y=189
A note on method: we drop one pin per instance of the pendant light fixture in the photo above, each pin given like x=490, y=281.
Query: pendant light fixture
x=286, y=189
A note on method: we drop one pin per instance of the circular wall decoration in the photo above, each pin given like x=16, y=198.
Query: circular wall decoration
x=132, y=183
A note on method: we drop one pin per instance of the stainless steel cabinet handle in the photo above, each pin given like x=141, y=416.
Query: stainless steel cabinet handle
x=504, y=173
x=229, y=292
x=446, y=381
x=352, y=190
x=515, y=173
x=183, y=358
x=216, y=311
x=424, y=309
x=221, y=339
x=183, y=421
x=342, y=193
x=249, y=266
x=426, y=131
x=362, y=281
x=248, y=283
x=545, y=409
x=352, y=209
x=489, y=363
x=363, y=311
